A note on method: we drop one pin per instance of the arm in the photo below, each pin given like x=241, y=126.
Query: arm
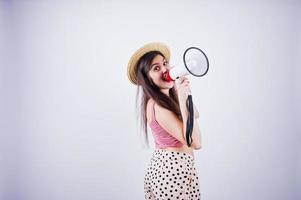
x=196, y=112
x=183, y=90
x=170, y=122
x=196, y=133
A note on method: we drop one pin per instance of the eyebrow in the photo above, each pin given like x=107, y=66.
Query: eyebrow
x=158, y=63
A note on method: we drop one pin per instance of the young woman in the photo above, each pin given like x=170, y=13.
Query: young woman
x=171, y=173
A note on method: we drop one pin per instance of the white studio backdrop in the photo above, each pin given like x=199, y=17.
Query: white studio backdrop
x=68, y=123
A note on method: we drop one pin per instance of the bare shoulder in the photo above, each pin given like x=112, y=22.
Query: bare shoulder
x=162, y=113
x=159, y=111
x=149, y=104
x=170, y=122
x=148, y=109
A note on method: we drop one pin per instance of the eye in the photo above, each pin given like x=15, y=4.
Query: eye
x=165, y=63
x=156, y=68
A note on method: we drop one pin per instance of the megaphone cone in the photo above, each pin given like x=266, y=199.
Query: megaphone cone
x=195, y=62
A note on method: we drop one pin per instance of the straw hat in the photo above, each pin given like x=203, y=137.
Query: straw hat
x=154, y=46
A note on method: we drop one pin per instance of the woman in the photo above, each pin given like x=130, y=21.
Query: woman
x=171, y=173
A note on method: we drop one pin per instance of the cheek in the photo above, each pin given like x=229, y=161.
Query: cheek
x=155, y=77
x=158, y=75
x=158, y=79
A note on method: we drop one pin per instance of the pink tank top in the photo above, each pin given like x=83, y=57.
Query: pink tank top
x=162, y=138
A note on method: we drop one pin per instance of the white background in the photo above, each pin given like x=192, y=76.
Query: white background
x=68, y=124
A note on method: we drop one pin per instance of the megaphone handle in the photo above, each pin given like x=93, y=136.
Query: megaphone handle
x=190, y=119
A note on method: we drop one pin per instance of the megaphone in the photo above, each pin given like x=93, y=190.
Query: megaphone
x=195, y=61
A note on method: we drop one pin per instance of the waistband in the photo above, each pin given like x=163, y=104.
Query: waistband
x=182, y=155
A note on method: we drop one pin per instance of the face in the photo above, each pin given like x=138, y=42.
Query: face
x=160, y=65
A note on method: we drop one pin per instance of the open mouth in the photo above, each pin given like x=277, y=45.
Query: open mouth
x=166, y=77
x=165, y=80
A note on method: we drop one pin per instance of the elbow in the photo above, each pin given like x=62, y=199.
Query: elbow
x=197, y=146
x=196, y=115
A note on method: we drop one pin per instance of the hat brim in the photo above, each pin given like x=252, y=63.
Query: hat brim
x=154, y=46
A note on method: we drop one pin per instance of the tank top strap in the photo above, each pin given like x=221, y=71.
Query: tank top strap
x=154, y=114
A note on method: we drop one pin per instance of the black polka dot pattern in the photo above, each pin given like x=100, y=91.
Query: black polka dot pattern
x=171, y=175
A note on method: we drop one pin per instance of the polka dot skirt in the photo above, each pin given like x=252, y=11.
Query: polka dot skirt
x=171, y=175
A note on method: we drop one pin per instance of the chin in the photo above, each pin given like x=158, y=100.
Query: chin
x=168, y=85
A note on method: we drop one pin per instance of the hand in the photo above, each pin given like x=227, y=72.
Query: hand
x=183, y=89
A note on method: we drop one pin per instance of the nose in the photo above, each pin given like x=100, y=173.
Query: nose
x=166, y=68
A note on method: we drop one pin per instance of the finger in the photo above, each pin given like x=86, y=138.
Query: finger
x=186, y=82
x=188, y=89
x=178, y=83
x=183, y=78
x=179, y=80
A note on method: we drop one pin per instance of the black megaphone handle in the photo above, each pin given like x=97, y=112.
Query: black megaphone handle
x=190, y=119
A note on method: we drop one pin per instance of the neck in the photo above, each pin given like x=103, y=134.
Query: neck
x=165, y=91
